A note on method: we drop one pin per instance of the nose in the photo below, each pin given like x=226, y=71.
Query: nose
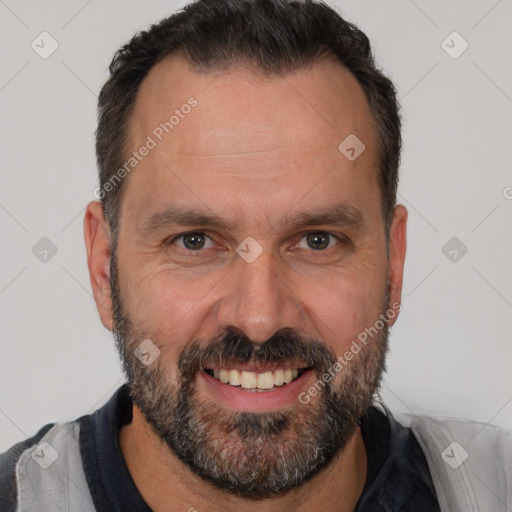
x=257, y=300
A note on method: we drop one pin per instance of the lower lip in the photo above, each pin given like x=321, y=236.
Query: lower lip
x=240, y=399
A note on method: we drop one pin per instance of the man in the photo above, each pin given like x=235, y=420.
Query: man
x=247, y=255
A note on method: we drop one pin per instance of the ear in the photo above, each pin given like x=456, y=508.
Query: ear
x=97, y=236
x=397, y=249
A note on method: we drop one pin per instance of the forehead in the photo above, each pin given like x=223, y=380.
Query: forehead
x=246, y=132
x=326, y=95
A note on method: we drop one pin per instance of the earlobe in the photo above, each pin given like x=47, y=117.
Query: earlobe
x=97, y=237
x=397, y=251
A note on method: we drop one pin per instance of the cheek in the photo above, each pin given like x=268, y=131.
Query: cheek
x=344, y=308
x=159, y=296
x=169, y=310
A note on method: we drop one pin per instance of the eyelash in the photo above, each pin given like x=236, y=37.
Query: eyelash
x=339, y=239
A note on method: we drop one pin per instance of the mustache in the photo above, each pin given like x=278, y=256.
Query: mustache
x=233, y=346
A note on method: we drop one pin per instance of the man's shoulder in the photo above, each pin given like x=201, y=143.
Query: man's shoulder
x=470, y=461
x=8, y=462
x=35, y=474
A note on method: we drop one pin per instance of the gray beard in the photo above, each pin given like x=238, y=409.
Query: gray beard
x=252, y=455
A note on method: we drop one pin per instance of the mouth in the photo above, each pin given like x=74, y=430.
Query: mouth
x=255, y=389
x=253, y=380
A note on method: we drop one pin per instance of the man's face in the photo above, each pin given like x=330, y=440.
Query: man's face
x=258, y=154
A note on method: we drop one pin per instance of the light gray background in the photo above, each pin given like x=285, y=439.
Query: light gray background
x=451, y=348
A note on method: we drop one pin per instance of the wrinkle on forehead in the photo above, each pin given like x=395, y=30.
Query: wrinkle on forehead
x=238, y=113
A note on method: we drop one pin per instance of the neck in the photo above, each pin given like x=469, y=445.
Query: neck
x=167, y=485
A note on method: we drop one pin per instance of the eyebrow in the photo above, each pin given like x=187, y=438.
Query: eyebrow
x=340, y=214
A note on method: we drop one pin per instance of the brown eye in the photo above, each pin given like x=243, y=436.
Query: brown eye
x=192, y=241
x=318, y=240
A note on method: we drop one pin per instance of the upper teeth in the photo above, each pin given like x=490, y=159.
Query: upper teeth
x=252, y=380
